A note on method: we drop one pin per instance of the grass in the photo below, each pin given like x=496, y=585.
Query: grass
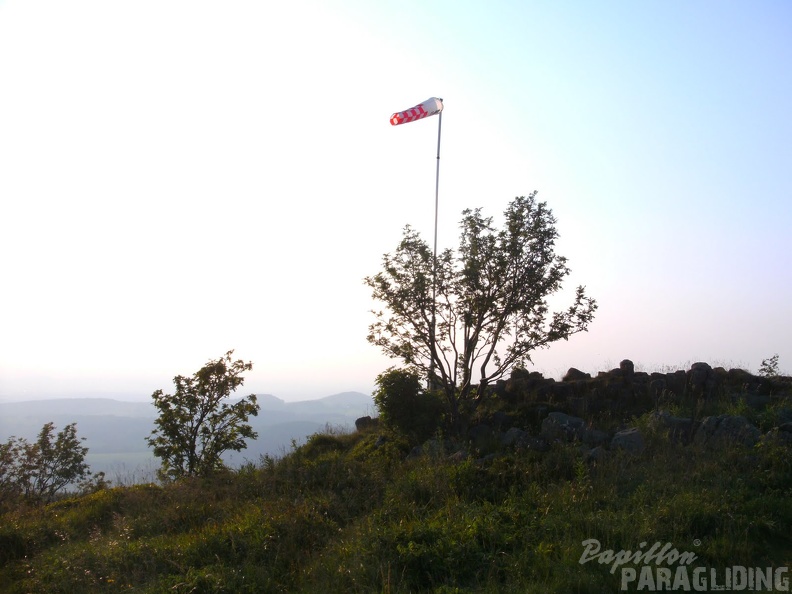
x=342, y=513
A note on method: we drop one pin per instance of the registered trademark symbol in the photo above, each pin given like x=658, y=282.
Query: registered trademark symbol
x=696, y=543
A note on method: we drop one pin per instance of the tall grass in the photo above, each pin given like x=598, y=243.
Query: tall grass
x=347, y=512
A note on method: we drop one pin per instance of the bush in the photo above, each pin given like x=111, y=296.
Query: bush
x=405, y=407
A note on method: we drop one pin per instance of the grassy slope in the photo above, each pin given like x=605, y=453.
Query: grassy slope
x=342, y=515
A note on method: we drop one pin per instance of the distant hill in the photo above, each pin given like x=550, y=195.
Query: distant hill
x=115, y=430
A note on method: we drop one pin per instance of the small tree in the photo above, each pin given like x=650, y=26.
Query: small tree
x=769, y=367
x=40, y=470
x=465, y=319
x=195, y=427
x=406, y=407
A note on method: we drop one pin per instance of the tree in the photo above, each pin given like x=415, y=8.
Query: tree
x=195, y=427
x=488, y=309
x=41, y=469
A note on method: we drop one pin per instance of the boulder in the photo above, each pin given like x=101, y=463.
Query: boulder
x=675, y=382
x=512, y=436
x=595, y=455
x=365, y=422
x=483, y=437
x=725, y=430
x=574, y=375
x=679, y=429
x=458, y=456
x=561, y=426
x=501, y=420
x=704, y=380
x=698, y=376
x=781, y=436
x=595, y=438
x=630, y=440
x=785, y=416
x=627, y=369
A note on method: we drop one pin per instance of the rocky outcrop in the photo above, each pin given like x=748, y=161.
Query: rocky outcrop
x=539, y=414
x=724, y=430
x=624, y=390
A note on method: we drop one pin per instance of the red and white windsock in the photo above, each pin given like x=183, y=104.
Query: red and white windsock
x=427, y=108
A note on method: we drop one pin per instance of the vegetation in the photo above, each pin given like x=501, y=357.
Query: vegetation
x=405, y=407
x=769, y=367
x=474, y=511
x=465, y=319
x=40, y=470
x=351, y=512
x=195, y=426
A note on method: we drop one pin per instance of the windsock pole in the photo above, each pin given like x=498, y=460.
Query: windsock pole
x=431, y=382
x=430, y=107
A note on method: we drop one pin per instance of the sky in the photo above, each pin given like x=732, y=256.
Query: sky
x=183, y=178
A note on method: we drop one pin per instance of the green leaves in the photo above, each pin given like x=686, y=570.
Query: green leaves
x=469, y=316
x=195, y=427
x=40, y=470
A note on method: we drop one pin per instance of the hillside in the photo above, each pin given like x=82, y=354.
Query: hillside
x=115, y=430
x=589, y=485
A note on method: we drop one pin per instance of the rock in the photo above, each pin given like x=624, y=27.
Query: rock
x=595, y=438
x=559, y=392
x=785, y=416
x=365, y=422
x=501, y=420
x=458, y=456
x=574, y=375
x=479, y=432
x=627, y=369
x=577, y=405
x=558, y=425
x=680, y=429
x=486, y=459
x=597, y=454
x=778, y=436
x=381, y=441
x=701, y=378
x=416, y=452
x=434, y=447
x=725, y=430
x=656, y=386
x=676, y=381
x=533, y=444
x=483, y=438
x=698, y=374
x=629, y=440
x=512, y=436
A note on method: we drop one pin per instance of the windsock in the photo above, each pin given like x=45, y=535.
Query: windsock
x=428, y=108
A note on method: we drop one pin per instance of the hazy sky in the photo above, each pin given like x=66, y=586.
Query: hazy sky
x=181, y=178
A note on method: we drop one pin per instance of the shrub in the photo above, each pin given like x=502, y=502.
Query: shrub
x=769, y=367
x=404, y=406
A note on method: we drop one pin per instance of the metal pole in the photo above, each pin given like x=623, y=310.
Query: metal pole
x=434, y=258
